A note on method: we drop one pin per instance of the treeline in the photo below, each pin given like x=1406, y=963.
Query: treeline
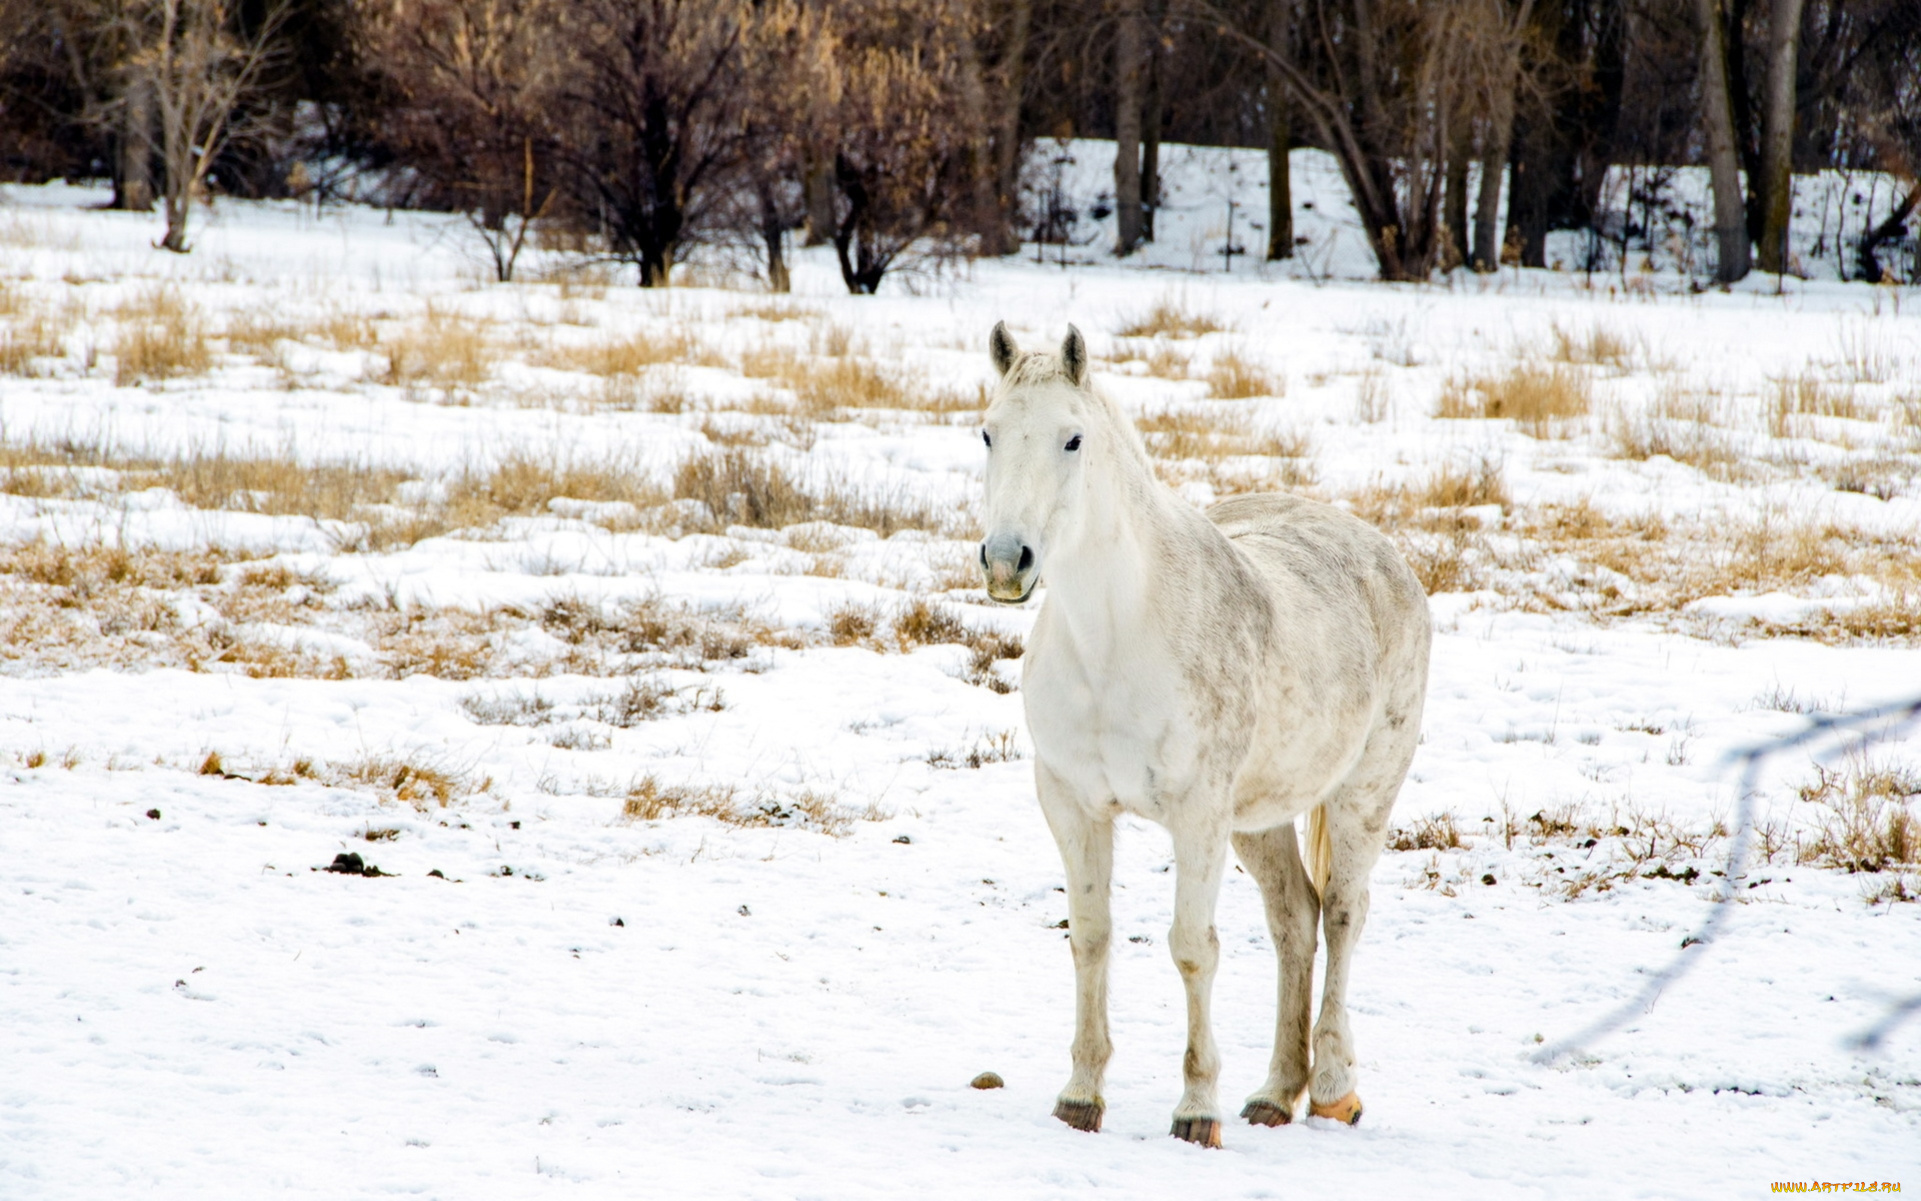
x=898, y=130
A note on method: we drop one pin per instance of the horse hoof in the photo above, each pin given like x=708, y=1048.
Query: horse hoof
x=1081, y=1115
x=1205, y=1131
x=1347, y=1110
x=1266, y=1113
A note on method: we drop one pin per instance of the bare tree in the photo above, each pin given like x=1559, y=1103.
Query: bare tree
x=902, y=154
x=198, y=62
x=470, y=82
x=1382, y=82
x=653, y=108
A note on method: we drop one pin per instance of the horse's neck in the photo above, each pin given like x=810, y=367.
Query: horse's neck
x=1103, y=583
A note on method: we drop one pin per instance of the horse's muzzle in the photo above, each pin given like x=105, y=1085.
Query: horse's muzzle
x=1010, y=566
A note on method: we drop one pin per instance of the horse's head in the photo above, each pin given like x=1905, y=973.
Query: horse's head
x=1036, y=485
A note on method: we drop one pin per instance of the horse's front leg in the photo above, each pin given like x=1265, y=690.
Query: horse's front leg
x=1086, y=841
x=1200, y=857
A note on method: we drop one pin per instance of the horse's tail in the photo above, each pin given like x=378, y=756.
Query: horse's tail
x=1318, y=855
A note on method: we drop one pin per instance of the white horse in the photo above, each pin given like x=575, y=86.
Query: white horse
x=1220, y=674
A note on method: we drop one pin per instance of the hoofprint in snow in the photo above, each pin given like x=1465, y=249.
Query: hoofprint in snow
x=791, y=1003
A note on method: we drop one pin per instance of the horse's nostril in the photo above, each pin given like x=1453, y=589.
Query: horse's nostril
x=1027, y=559
x=983, y=556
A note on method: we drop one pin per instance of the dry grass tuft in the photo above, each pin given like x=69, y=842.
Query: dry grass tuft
x=1539, y=402
x=162, y=335
x=1232, y=376
x=740, y=487
x=999, y=747
x=626, y=357
x=27, y=340
x=1685, y=425
x=1866, y=822
x=827, y=387
x=443, y=350
x=1808, y=395
x=649, y=800
x=422, y=785
x=1597, y=347
x=1171, y=318
x=1433, y=833
x=524, y=484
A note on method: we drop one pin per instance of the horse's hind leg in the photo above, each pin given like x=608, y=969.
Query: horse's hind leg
x=1271, y=857
x=1086, y=842
x=1200, y=858
x=1356, y=817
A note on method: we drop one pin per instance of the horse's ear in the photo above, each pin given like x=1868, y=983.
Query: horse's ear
x=1000, y=344
x=1074, y=357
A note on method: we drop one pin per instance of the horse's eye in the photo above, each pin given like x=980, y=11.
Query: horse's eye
x=987, y=438
x=1074, y=443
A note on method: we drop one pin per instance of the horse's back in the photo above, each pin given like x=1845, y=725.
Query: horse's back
x=1315, y=554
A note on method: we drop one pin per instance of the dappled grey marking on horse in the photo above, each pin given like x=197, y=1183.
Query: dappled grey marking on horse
x=1221, y=674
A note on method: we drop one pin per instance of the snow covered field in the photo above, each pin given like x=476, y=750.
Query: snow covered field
x=635, y=638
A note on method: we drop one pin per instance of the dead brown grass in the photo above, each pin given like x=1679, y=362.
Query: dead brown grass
x=741, y=487
x=1541, y=402
x=28, y=340
x=1596, y=346
x=830, y=386
x=1233, y=376
x=444, y=351
x=522, y=484
x=161, y=335
x=1688, y=425
x=1170, y=317
x=629, y=356
x=1866, y=821
x=650, y=800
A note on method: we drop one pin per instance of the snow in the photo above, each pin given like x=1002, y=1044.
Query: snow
x=599, y=1006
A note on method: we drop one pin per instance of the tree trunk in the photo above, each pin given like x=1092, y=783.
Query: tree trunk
x=1007, y=138
x=134, y=186
x=1280, y=137
x=1460, y=150
x=1893, y=227
x=1487, y=205
x=817, y=187
x=1127, y=129
x=1151, y=132
x=1724, y=171
x=1528, y=189
x=1776, y=188
x=773, y=233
